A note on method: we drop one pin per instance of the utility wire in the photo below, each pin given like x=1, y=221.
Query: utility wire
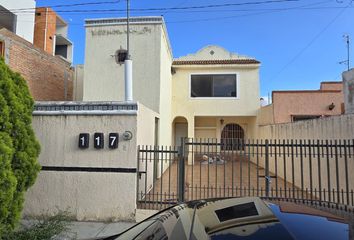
x=311, y=42
x=249, y=14
x=238, y=16
x=261, y=11
x=109, y=11
x=267, y=11
x=67, y=5
x=165, y=8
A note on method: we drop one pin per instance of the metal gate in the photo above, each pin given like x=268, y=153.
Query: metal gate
x=307, y=170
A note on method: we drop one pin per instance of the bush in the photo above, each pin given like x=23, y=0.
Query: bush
x=19, y=148
x=44, y=229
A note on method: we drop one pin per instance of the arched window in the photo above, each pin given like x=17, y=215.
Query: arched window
x=232, y=137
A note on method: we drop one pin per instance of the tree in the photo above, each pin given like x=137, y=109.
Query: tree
x=19, y=148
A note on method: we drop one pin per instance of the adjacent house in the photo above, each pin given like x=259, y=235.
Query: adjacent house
x=292, y=106
x=20, y=22
x=51, y=34
x=36, y=46
x=49, y=77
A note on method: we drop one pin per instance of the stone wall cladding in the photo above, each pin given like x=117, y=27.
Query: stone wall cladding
x=49, y=78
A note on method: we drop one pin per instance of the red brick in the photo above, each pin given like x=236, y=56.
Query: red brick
x=44, y=73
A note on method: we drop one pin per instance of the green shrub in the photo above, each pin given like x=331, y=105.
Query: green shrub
x=44, y=229
x=19, y=148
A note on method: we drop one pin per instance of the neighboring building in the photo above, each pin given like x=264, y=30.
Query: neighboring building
x=17, y=21
x=292, y=106
x=51, y=34
x=48, y=77
x=196, y=96
x=348, y=81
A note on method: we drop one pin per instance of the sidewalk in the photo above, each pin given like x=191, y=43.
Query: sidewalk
x=91, y=230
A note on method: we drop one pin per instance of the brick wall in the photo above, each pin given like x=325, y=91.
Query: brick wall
x=45, y=29
x=49, y=78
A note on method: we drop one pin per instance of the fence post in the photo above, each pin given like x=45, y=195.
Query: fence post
x=267, y=177
x=181, y=170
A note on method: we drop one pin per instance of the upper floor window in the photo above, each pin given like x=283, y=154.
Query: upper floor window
x=213, y=85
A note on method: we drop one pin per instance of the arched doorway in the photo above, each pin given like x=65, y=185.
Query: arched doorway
x=232, y=137
x=180, y=129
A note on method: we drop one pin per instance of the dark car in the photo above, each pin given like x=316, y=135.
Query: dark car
x=239, y=218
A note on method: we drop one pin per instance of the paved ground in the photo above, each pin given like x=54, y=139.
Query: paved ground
x=234, y=176
x=92, y=230
x=89, y=230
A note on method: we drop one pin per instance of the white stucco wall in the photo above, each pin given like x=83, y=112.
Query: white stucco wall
x=25, y=21
x=165, y=122
x=146, y=126
x=104, y=78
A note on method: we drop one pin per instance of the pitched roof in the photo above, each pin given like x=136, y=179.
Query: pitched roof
x=215, y=62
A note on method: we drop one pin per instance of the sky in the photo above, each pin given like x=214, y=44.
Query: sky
x=298, y=42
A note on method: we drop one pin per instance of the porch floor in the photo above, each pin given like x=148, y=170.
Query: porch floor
x=234, y=177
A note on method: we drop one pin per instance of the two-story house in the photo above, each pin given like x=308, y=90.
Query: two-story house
x=215, y=94
x=210, y=94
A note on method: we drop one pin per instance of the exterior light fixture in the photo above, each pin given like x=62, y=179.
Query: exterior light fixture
x=331, y=106
x=221, y=121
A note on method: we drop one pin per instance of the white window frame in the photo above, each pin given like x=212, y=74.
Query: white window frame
x=215, y=98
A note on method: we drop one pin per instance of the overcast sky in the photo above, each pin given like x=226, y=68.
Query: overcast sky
x=299, y=43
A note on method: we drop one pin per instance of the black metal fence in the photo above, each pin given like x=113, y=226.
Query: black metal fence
x=309, y=170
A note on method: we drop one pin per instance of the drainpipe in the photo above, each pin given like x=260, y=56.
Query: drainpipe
x=128, y=67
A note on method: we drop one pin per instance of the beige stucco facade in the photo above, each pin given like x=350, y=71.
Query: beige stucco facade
x=152, y=58
x=206, y=117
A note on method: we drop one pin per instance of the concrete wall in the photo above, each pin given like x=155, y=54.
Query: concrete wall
x=78, y=83
x=325, y=130
x=348, y=79
x=25, y=21
x=91, y=184
x=48, y=77
x=265, y=115
x=86, y=195
x=334, y=127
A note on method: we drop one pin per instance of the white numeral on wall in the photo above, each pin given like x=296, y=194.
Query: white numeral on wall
x=82, y=141
x=113, y=139
x=98, y=139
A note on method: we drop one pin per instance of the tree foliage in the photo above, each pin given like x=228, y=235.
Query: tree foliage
x=19, y=148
